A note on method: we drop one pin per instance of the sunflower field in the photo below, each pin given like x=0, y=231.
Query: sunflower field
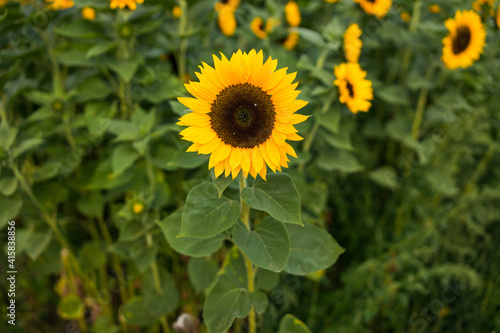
x=286, y=166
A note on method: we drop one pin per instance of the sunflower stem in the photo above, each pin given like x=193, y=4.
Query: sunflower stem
x=310, y=136
x=183, y=45
x=245, y=218
x=419, y=112
x=408, y=52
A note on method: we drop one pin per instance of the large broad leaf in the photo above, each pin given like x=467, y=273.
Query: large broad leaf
x=136, y=312
x=339, y=160
x=290, y=324
x=9, y=209
x=267, y=246
x=205, y=214
x=188, y=246
x=312, y=249
x=8, y=186
x=229, y=298
x=164, y=301
x=202, y=273
x=122, y=158
x=277, y=196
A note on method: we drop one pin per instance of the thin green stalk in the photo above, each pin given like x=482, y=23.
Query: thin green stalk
x=58, y=85
x=183, y=45
x=481, y=167
x=310, y=136
x=413, y=27
x=314, y=304
x=114, y=260
x=422, y=100
x=157, y=282
x=124, y=89
x=322, y=57
x=88, y=284
x=245, y=218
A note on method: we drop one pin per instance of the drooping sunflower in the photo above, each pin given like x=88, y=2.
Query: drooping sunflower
x=59, y=4
x=257, y=26
x=480, y=5
x=131, y=4
x=176, y=12
x=434, y=9
x=355, y=91
x=379, y=8
x=226, y=20
x=243, y=113
x=405, y=16
x=231, y=4
x=465, y=41
x=498, y=17
x=88, y=13
x=291, y=41
x=292, y=13
x=352, y=43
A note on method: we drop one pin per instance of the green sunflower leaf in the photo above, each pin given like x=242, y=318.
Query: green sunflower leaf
x=277, y=196
x=205, y=214
x=229, y=298
x=312, y=249
x=267, y=245
x=290, y=324
x=192, y=247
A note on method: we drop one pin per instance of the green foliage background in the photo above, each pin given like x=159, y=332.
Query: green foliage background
x=91, y=161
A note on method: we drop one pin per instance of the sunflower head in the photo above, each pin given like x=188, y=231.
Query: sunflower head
x=226, y=20
x=498, y=17
x=354, y=90
x=243, y=113
x=291, y=41
x=379, y=8
x=434, y=9
x=176, y=12
x=292, y=13
x=257, y=26
x=59, y=4
x=352, y=43
x=88, y=13
x=465, y=40
x=131, y=4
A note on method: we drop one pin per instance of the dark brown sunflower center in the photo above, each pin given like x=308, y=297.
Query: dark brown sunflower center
x=372, y=1
x=461, y=40
x=243, y=116
x=350, y=88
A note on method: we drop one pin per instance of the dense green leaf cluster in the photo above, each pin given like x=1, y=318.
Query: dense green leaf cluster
x=119, y=229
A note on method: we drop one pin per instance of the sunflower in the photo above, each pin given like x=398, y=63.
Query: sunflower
x=379, y=8
x=59, y=4
x=465, y=41
x=176, y=12
x=88, y=13
x=243, y=113
x=226, y=20
x=291, y=41
x=480, y=5
x=434, y=9
x=498, y=17
x=257, y=26
x=352, y=43
x=405, y=16
x=230, y=4
x=292, y=13
x=355, y=90
x=131, y=4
